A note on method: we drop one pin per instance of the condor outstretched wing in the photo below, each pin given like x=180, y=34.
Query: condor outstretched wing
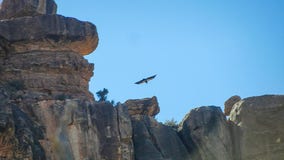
x=141, y=81
x=150, y=78
x=145, y=80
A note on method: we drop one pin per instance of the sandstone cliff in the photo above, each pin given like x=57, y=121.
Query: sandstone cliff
x=47, y=111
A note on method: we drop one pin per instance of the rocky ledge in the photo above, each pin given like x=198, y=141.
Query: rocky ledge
x=44, y=32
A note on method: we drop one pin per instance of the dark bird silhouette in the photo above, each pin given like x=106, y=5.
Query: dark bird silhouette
x=146, y=80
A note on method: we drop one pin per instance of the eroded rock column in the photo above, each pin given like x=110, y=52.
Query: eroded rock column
x=153, y=140
x=46, y=107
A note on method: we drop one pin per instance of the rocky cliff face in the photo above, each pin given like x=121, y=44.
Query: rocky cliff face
x=47, y=111
x=257, y=127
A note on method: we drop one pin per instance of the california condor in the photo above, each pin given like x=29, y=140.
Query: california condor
x=145, y=80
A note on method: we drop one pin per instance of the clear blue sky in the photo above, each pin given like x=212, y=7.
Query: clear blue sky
x=203, y=52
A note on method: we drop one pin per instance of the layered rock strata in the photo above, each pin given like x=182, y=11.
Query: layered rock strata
x=19, y=8
x=33, y=25
x=47, y=33
x=40, y=52
x=47, y=111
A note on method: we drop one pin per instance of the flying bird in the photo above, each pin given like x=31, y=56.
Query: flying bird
x=146, y=80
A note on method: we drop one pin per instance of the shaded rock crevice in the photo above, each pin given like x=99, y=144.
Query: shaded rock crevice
x=236, y=134
x=5, y=47
x=153, y=140
x=205, y=133
x=125, y=131
x=146, y=121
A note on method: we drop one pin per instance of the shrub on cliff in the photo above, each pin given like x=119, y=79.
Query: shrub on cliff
x=102, y=94
x=171, y=123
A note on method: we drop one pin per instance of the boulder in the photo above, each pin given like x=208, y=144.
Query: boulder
x=230, y=103
x=206, y=134
x=146, y=106
x=48, y=33
x=260, y=128
x=153, y=140
x=21, y=8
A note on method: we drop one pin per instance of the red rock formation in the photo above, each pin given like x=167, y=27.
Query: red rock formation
x=15, y=8
x=53, y=33
x=228, y=105
x=146, y=106
x=46, y=107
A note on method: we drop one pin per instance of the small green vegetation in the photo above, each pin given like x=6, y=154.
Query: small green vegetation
x=171, y=123
x=102, y=95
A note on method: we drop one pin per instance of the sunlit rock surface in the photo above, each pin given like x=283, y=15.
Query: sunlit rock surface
x=21, y=8
x=228, y=105
x=146, y=106
x=32, y=25
x=206, y=134
x=259, y=128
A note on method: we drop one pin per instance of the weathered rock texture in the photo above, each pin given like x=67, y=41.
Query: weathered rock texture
x=46, y=75
x=146, y=106
x=206, y=134
x=22, y=8
x=228, y=105
x=48, y=113
x=153, y=140
x=48, y=33
x=64, y=129
x=37, y=28
x=258, y=122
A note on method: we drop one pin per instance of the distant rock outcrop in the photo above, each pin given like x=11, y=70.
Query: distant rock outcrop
x=206, y=134
x=147, y=106
x=258, y=128
x=153, y=140
x=228, y=105
x=48, y=113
